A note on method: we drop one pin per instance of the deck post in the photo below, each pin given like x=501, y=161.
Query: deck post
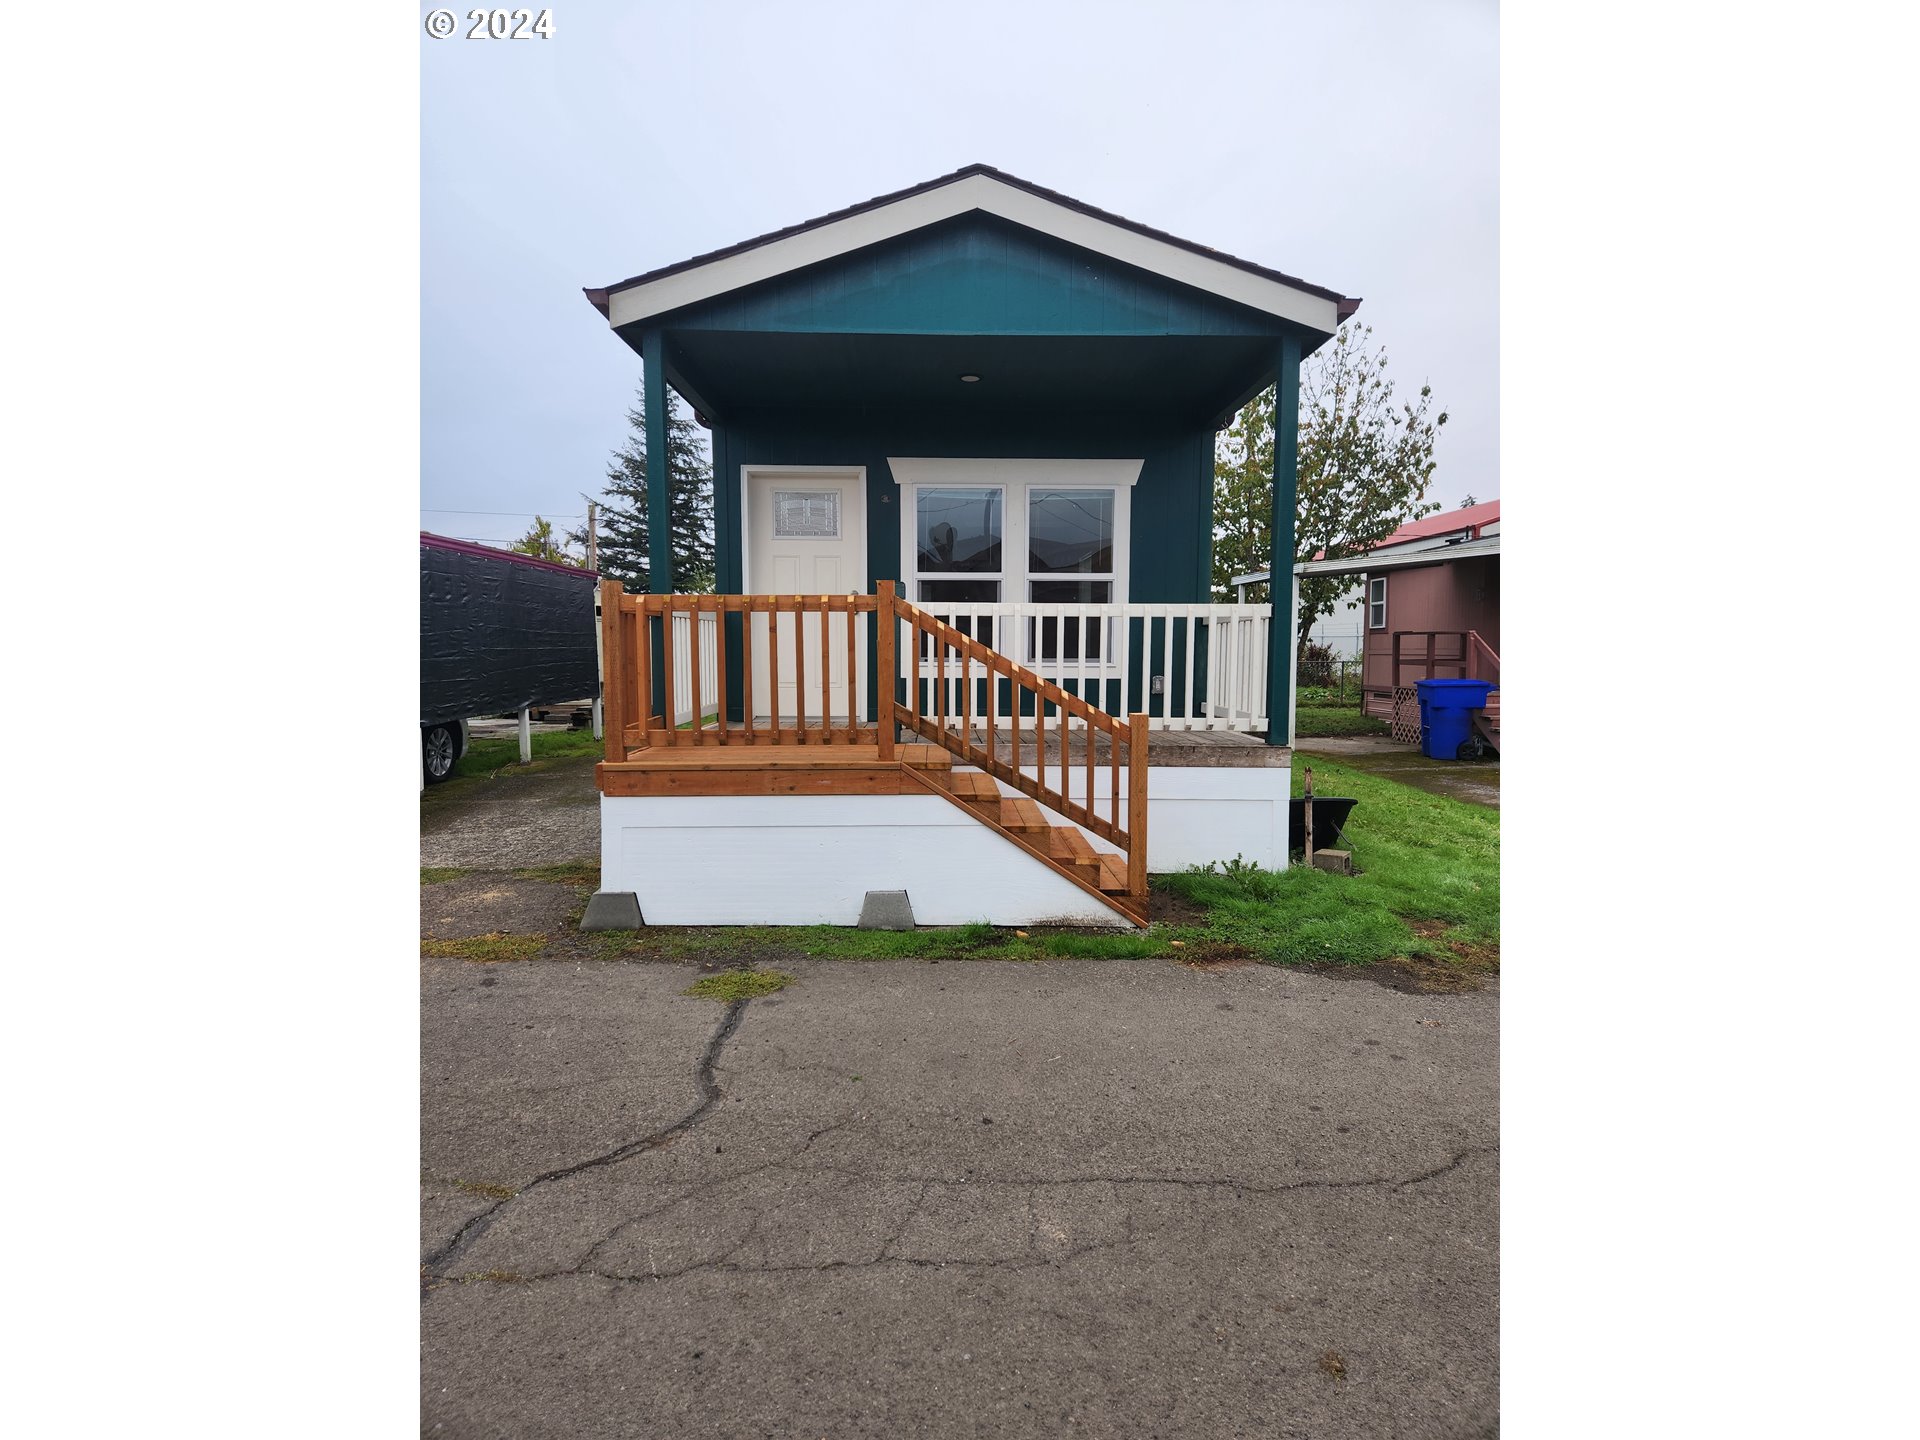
x=526, y=735
x=653, y=378
x=613, y=672
x=1136, y=804
x=1281, y=652
x=886, y=634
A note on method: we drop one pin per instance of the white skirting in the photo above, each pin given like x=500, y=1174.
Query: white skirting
x=1197, y=815
x=810, y=860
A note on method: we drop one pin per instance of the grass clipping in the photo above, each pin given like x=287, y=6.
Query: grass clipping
x=731, y=985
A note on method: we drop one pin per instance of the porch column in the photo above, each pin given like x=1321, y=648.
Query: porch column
x=659, y=507
x=1280, y=576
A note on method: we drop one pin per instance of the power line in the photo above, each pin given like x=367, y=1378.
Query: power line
x=507, y=514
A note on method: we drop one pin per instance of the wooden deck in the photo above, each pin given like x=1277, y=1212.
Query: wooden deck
x=1052, y=747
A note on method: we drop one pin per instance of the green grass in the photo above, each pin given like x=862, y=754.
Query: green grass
x=1429, y=885
x=731, y=985
x=485, y=949
x=1320, y=711
x=483, y=757
x=1314, y=721
x=1427, y=897
x=440, y=874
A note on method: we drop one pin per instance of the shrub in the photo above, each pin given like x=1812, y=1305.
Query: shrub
x=1316, y=665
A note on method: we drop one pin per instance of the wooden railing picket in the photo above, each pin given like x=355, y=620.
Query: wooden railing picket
x=886, y=631
x=928, y=712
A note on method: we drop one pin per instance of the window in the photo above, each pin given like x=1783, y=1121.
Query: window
x=994, y=531
x=1377, y=603
x=1069, y=534
x=806, y=514
x=960, y=541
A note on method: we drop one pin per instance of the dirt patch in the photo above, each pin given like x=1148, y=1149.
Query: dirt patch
x=544, y=814
x=1176, y=911
x=1211, y=957
x=488, y=902
x=1465, y=967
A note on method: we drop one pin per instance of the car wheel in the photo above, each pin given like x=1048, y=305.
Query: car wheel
x=440, y=747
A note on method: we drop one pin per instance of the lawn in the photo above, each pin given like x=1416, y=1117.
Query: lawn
x=1321, y=710
x=483, y=757
x=1427, y=896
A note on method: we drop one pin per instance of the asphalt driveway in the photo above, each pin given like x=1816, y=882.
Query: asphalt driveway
x=954, y=1199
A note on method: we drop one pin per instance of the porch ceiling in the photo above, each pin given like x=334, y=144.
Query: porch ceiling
x=1189, y=375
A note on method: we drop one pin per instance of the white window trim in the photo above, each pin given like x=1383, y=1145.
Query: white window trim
x=1381, y=623
x=1014, y=478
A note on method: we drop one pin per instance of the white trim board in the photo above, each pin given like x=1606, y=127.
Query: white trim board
x=959, y=197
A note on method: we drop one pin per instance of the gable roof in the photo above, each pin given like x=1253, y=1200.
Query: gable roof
x=976, y=187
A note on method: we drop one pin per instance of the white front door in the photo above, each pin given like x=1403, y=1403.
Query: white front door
x=807, y=535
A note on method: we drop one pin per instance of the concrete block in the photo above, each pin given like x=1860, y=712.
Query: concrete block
x=1340, y=862
x=612, y=910
x=886, y=910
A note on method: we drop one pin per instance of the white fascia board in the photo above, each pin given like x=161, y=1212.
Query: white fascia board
x=1403, y=560
x=949, y=470
x=995, y=197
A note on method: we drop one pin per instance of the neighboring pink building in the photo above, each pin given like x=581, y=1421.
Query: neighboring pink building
x=1430, y=597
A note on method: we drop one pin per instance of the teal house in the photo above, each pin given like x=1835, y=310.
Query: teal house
x=1004, y=402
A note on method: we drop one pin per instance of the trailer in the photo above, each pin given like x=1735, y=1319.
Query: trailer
x=499, y=634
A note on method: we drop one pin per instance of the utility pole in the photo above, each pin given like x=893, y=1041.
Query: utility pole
x=593, y=547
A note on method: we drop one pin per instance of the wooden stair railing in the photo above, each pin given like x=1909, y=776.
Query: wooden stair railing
x=928, y=710
x=1483, y=663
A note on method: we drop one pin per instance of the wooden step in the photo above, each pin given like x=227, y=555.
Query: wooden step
x=1022, y=816
x=925, y=757
x=1069, y=846
x=971, y=785
x=1113, y=875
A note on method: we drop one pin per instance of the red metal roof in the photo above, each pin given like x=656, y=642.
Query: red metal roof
x=1445, y=522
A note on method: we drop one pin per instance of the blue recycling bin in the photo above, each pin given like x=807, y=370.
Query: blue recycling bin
x=1446, y=714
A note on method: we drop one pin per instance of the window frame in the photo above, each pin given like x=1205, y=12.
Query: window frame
x=1016, y=479
x=1380, y=600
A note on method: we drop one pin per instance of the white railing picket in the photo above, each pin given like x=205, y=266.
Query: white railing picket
x=1232, y=695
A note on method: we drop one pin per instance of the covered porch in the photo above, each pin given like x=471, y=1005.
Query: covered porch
x=963, y=455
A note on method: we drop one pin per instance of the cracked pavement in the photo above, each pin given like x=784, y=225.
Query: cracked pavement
x=961, y=1199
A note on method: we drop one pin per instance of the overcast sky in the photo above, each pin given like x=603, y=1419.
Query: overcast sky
x=1351, y=144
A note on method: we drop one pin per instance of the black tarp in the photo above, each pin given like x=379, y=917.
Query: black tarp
x=498, y=632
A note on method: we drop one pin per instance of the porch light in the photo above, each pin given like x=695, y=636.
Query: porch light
x=969, y=379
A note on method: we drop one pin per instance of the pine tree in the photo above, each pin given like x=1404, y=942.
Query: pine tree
x=625, y=527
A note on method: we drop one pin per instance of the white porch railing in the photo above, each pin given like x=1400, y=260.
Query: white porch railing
x=682, y=690
x=1189, y=667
